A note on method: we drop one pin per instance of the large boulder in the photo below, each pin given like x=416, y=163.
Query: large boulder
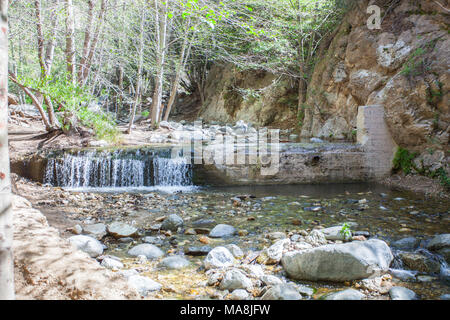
x=91, y=246
x=420, y=262
x=339, y=262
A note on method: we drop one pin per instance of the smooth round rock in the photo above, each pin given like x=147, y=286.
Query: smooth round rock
x=222, y=231
x=235, y=279
x=401, y=293
x=219, y=257
x=197, y=251
x=282, y=292
x=239, y=294
x=97, y=230
x=349, y=294
x=172, y=223
x=409, y=243
x=121, y=230
x=91, y=246
x=111, y=264
x=143, y=285
x=148, y=250
x=174, y=262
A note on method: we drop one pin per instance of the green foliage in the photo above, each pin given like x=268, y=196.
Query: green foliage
x=412, y=67
x=403, y=160
x=145, y=114
x=417, y=63
x=443, y=178
x=70, y=99
x=346, y=231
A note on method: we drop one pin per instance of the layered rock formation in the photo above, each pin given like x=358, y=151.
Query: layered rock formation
x=403, y=66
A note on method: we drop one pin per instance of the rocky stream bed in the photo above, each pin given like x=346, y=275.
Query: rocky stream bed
x=260, y=242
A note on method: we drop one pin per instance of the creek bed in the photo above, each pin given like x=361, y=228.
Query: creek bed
x=385, y=214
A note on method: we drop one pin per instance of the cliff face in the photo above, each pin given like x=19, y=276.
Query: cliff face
x=255, y=96
x=403, y=66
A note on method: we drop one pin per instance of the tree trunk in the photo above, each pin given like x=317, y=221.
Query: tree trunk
x=87, y=41
x=302, y=86
x=180, y=67
x=34, y=99
x=70, y=45
x=161, y=33
x=50, y=51
x=6, y=217
x=139, y=75
x=92, y=49
x=45, y=56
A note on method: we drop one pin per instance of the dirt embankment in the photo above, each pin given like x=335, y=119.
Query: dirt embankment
x=47, y=267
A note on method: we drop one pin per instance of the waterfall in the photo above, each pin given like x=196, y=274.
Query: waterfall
x=171, y=172
x=118, y=169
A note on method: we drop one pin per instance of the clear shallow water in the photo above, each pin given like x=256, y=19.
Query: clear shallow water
x=385, y=214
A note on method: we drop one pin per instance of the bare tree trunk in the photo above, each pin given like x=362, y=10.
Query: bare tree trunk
x=87, y=41
x=180, y=67
x=50, y=51
x=92, y=49
x=45, y=56
x=139, y=75
x=37, y=103
x=70, y=46
x=161, y=33
x=6, y=218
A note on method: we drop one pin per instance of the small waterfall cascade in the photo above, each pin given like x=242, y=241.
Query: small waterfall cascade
x=117, y=169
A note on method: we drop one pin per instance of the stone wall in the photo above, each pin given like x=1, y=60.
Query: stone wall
x=368, y=160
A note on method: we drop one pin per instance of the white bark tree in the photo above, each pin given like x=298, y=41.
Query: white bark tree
x=6, y=223
x=161, y=42
x=70, y=42
x=139, y=75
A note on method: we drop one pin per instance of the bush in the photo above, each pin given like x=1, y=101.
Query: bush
x=72, y=99
x=403, y=160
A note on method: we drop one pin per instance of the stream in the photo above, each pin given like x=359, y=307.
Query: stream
x=161, y=186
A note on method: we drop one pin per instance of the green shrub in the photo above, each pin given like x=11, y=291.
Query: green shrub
x=72, y=99
x=403, y=160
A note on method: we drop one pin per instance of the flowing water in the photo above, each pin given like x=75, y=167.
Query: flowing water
x=123, y=170
x=383, y=213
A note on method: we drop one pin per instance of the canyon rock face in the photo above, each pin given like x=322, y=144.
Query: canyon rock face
x=402, y=66
x=255, y=96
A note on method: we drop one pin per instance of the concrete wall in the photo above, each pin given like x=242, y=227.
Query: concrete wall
x=368, y=160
